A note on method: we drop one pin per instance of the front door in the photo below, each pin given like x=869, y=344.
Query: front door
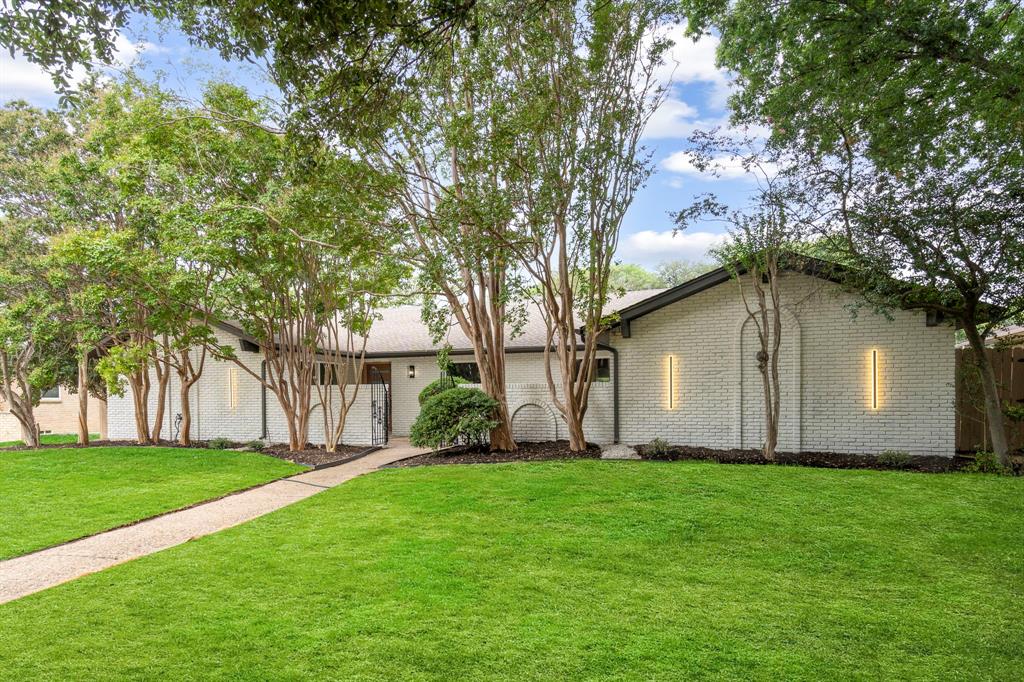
x=378, y=376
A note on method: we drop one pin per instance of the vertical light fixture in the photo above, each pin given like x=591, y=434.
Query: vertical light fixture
x=671, y=384
x=412, y=371
x=874, y=378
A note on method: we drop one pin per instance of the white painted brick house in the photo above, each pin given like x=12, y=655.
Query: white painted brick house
x=680, y=365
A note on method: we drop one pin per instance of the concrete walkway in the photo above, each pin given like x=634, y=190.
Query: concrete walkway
x=34, y=572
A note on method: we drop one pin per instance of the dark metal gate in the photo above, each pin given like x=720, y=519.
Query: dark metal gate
x=380, y=408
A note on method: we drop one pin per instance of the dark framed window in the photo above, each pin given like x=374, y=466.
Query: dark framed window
x=602, y=369
x=466, y=370
x=51, y=393
x=327, y=374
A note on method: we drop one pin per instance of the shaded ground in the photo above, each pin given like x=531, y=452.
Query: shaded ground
x=527, y=452
x=581, y=570
x=53, y=495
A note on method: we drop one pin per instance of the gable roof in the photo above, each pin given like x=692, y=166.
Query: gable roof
x=400, y=331
x=806, y=265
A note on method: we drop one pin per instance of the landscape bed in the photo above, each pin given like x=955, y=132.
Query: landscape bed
x=52, y=495
x=567, y=570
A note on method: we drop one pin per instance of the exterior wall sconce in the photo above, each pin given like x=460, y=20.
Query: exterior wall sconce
x=412, y=371
x=874, y=378
x=671, y=382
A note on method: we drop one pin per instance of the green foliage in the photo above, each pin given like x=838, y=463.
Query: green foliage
x=219, y=444
x=986, y=462
x=632, y=277
x=438, y=386
x=454, y=416
x=1014, y=411
x=658, y=448
x=256, y=445
x=895, y=459
x=675, y=272
x=943, y=76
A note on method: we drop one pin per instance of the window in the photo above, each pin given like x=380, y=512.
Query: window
x=51, y=393
x=327, y=374
x=466, y=370
x=602, y=369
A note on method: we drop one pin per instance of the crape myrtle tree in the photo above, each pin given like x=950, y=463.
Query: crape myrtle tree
x=764, y=238
x=111, y=194
x=925, y=168
x=585, y=72
x=458, y=194
x=30, y=140
x=292, y=235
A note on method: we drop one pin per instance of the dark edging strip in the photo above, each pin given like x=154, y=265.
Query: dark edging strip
x=358, y=455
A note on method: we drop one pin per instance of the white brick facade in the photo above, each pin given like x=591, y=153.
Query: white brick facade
x=214, y=417
x=826, y=373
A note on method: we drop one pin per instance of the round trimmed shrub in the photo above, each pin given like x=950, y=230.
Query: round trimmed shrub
x=458, y=415
x=439, y=386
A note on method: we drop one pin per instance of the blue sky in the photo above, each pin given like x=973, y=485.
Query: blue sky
x=696, y=100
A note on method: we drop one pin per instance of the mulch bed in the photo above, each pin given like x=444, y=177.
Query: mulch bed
x=477, y=454
x=111, y=443
x=313, y=456
x=826, y=460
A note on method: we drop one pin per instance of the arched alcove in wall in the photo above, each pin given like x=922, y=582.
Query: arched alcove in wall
x=534, y=422
x=750, y=422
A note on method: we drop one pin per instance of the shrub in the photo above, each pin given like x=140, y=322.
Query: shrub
x=439, y=386
x=219, y=444
x=894, y=459
x=657, y=449
x=455, y=415
x=256, y=445
x=986, y=463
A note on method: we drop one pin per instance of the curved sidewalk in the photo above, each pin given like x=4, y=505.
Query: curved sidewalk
x=24, y=575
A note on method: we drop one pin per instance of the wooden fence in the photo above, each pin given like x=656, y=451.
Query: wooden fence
x=971, y=424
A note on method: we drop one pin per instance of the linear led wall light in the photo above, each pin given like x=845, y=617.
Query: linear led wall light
x=874, y=378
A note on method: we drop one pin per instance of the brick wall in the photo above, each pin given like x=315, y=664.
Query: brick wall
x=56, y=415
x=215, y=414
x=826, y=373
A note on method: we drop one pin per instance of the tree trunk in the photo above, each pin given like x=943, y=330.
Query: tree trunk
x=993, y=408
x=139, y=386
x=83, y=399
x=30, y=433
x=577, y=440
x=185, y=435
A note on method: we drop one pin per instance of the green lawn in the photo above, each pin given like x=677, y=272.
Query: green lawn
x=49, y=439
x=584, y=570
x=49, y=496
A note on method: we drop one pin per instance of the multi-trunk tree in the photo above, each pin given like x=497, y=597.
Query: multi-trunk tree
x=585, y=71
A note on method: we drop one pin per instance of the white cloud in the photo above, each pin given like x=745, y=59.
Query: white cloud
x=690, y=61
x=649, y=248
x=722, y=167
x=21, y=79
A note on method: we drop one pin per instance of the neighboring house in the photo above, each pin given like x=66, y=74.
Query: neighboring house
x=680, y=365
x=57, y=412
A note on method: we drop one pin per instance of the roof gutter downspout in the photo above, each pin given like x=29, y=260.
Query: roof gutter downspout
x=615, y=388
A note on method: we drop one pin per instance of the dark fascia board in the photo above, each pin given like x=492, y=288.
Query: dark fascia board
x=383, y=355
x=803, y=264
